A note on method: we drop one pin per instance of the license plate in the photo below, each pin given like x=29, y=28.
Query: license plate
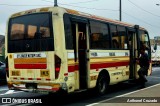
x=15, y=73
x=31, y=85
x=45, y=73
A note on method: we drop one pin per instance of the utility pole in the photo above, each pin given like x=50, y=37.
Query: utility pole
x=120, y=10
x=55, y=3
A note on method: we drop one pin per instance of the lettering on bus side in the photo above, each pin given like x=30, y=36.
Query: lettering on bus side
x=116, y=73
x=93, y=77
x=28, y=55
x=126, y=54
x=112, y=54
x=94, y=54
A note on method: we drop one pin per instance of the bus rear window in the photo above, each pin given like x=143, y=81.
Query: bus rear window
x=30, y=26
x=31, y=33
x=17, y=31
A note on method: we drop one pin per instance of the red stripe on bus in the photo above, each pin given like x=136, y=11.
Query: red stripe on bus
x=100, y=65
x=30, y=66
x=107, y=65
x=73, y=68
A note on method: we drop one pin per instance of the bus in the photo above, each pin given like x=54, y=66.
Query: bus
x=155, y=55
x=55, y=49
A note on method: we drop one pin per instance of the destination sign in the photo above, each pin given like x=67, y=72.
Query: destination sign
x=34, y=55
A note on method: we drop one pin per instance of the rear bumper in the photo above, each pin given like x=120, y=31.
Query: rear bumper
x=155, y=62
x=37, y=87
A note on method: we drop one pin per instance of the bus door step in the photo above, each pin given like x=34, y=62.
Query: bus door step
x=82, y=90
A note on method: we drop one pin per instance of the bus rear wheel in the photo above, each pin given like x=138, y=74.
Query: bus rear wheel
x=102, y=85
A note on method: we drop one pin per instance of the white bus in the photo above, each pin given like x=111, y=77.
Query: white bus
x=155, y=55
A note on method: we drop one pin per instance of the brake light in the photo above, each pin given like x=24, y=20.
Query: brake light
x=57, y=66
x=7, y=70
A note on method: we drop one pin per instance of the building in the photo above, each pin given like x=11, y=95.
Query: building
x=152, y=41
x=157, y=40
x=2, y=40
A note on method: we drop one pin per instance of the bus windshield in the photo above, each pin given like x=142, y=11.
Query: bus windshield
x=30, y=33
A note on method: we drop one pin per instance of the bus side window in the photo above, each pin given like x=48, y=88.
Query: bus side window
x=99, y=38
x=123, y=38
x=70, y=33
x=115, y=43
x=82, y=40
x=115, y=37
x=130, y=34
x=94, y=40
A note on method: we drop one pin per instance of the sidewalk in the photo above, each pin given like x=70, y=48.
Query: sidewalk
x=144, y=97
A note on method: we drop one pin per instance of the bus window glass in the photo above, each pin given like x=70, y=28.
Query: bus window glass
x=123, y=38
x=115, y=37
x=99, y=38
x=17, y=31
x=69, y=32
x=31, y=31
x=45, y=31
x=144, y=39
x=130, y=35
x=31, y=24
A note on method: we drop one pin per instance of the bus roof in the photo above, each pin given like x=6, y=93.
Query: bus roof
x=74, y=12
x=91, y=16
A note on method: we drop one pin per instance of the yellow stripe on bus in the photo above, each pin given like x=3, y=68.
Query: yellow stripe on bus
x=103, y=60
x=30, y=60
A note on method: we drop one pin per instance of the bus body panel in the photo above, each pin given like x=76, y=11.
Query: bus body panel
x=33, y=66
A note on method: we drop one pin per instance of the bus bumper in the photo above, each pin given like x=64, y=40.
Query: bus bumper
x=156, y=62
x=38, y=87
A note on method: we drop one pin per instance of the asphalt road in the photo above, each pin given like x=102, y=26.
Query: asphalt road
x=79, y=99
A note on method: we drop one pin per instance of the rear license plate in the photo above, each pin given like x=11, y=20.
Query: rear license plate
x=16, y=73
x=31, y=85
x=45, y=73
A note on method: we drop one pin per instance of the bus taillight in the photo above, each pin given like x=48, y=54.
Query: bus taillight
x=7, y=70
x=57, y=66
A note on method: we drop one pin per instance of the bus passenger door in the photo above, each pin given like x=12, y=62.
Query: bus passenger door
x=133, y=53
x=82, y=53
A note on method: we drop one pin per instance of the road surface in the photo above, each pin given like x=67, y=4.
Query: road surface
x=83, y=98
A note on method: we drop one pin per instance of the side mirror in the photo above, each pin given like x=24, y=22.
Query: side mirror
x=155, y=47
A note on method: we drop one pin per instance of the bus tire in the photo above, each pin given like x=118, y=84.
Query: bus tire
x=102, y=85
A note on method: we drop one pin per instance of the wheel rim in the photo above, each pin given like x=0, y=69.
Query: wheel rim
x=102, y=85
